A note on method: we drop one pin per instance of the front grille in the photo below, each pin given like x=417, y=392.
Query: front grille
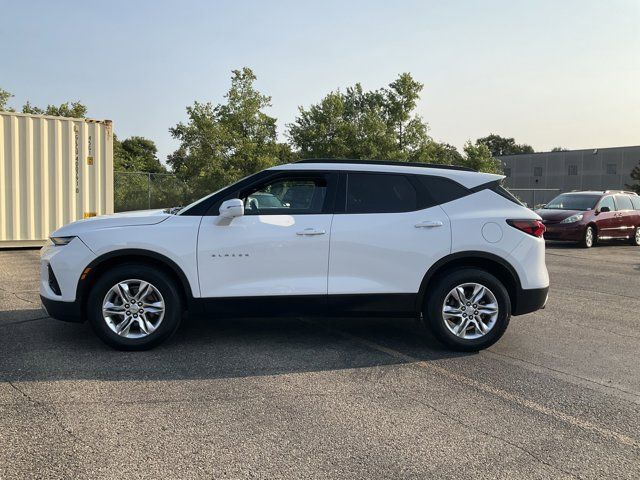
x=53, y=282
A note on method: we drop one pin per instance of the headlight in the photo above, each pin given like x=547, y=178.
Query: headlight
x=573, y=218
x=59, y=241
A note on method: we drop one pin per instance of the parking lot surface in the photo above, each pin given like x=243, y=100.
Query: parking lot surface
x=557, y=397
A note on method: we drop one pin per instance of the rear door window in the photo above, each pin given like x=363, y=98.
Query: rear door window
x=380, y=193
x=624, y=202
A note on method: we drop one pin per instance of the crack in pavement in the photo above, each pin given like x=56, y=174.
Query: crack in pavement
x=493, y=391
x=490, y=435
x=51, y=413
x=17, y=322
x=635, y=395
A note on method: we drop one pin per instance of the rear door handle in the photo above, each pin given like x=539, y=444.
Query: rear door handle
x=429, y=224
x=310, y=232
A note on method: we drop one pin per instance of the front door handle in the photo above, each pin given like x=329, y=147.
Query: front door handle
x=310, y=232
x=429, y=224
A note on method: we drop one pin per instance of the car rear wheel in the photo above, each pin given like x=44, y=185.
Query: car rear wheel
x=468, y=309
x=589, y=238
x=134, y=307
x=635, y=239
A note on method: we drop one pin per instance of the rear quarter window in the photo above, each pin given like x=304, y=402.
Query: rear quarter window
x=439, y=190
x=635, y=200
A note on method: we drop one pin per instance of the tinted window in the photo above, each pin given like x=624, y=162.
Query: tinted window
x=623, y=202
x=636, y=202
x=286, y=195
x=573, y=201
x=380, y=193
x=607, y=202
x=439, y=190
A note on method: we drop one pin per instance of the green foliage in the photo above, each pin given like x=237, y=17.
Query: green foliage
x=504, y=145
x=67, y=109
x=4, y=98
x=136, y=154
x=479, y=158
x=635, y=175
x=558, y=149
x=364, y=124
x=440, y=153
x=222, y=143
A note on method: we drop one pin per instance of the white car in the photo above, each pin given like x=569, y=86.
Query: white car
x=344, y=237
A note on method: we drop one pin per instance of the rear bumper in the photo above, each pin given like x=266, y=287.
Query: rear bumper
x=65, y=311
x=565, y=233
x=530, y=300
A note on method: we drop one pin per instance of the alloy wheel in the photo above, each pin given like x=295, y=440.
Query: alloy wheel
x=133, y=308
x=588, y=237
x=470, y=311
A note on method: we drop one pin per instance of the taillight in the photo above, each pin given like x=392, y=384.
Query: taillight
x=532, y=227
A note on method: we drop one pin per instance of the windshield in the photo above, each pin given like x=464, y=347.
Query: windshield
x=572, y=201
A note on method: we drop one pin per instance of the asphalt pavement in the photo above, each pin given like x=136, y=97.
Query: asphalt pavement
x=557, y=397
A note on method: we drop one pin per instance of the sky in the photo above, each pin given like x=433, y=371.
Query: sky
x=549, y=73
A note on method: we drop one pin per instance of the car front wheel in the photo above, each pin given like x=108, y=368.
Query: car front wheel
x=468, y=309
x=134, y=307
x=589, y=238
x=635, y=239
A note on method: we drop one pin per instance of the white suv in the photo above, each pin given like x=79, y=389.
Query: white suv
x=314, y=238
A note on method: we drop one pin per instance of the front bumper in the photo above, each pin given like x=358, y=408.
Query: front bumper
x=65, y=311
x=564, y=232
x=529, y=300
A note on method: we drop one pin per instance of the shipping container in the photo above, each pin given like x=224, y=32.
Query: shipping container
x=53, y=170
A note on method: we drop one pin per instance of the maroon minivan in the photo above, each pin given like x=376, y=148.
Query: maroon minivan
x=586, y=217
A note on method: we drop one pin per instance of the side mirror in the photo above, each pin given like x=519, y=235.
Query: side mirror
x=232, y=208
x=605, y=209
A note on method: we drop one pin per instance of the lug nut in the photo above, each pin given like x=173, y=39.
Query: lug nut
x=128, y=312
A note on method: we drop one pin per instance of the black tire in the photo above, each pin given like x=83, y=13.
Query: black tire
x=435, y=300
x=589, y=237
x=635, y=238
x=158, y=279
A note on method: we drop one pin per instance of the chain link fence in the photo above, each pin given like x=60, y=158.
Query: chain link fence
x=144, y=190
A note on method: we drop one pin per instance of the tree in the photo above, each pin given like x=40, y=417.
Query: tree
x=67, y=109
x=503, y=146
x=4, y=98
x=364, y=124
x=136, y=154
x=558, y=149
x=635, y=175
x=479, y=158
x=222, y=143
x=440, y=153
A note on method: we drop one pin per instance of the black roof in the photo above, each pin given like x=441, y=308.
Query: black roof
x=386, y=162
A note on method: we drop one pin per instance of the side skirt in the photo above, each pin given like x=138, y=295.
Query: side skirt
x=388, y=304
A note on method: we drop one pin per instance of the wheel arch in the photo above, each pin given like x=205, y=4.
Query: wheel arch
x=493, y=264
x=131, y=255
